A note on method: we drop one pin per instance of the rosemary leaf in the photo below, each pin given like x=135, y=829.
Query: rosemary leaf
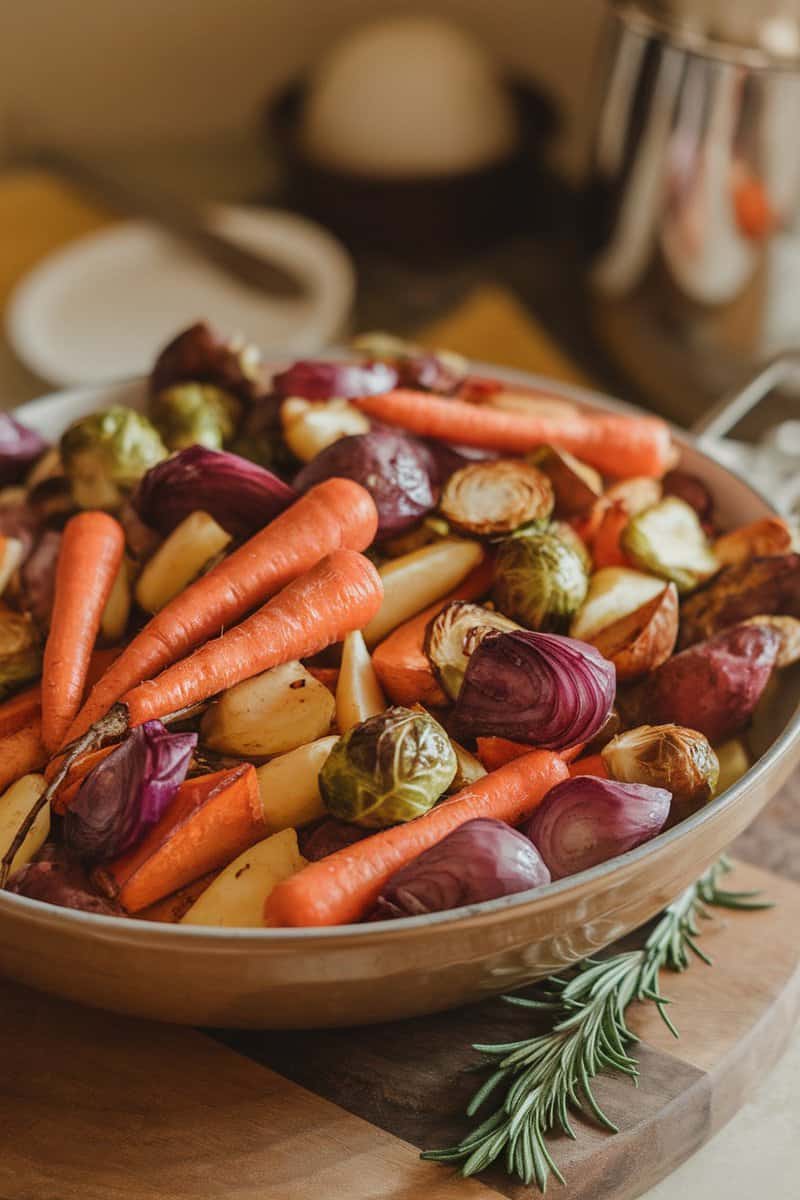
x=549, y=1076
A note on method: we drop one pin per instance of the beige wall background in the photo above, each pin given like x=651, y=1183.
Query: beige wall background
x=116, y=72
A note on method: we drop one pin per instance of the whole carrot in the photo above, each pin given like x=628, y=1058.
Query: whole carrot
x=614, y=443
x=20, y=753
x=337, y=514
x=88, y=562
x=343, y=887
x=341, y=593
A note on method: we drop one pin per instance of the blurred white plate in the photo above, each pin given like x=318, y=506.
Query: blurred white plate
x=101, y=308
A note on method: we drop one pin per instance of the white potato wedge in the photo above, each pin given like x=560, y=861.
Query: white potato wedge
x=310, y=426
x=236, y=897
x=11, y=549
x=358, y=693
x=413, y=581
x=114, y=620
x=15, y=804
x=614, y=592
x=179, y=560
x=289, y=785
x=273, y=712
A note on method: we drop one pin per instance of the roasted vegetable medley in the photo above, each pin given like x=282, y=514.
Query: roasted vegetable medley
x=360, y=640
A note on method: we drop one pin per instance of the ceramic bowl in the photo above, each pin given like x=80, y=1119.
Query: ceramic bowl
x=294, y=978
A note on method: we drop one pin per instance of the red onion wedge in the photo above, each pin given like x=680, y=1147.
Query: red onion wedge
x=585, y=821
x=481, y=860
x=540, y=688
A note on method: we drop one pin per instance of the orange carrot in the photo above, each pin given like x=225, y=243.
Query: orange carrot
x=20, y=710
x=341, y=593
x=605, y=546
x=26, y=706
x=88, y=561
x=494, y=752
x=614, y=443
x=402, y=666
x=337, y=514
x=21, y=753
x=329, y=676
x=211, y=820
x=343, y=887
x=172, y=908
x=590, y=764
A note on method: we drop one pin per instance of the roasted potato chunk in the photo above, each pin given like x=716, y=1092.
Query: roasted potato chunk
x=761, y=586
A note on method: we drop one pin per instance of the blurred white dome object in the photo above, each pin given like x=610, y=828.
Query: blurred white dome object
x=408, y=96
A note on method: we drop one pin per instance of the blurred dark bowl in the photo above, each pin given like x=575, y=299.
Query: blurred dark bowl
x=426, y=215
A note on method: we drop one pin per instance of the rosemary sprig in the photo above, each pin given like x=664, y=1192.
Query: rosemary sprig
x=547, y=1076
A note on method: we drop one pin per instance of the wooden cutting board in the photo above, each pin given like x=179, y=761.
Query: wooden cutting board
x=94, y=1106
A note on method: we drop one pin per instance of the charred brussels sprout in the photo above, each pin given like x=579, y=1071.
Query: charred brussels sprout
x=190, y=414
x=668, y=756
x=106, y=454
x=452, y=636
x=539, y=580
x=388, y=769
x=489, y=498
x=20, y=653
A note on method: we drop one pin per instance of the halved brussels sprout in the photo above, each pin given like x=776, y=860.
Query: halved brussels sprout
x=576, y=485
x=565, y=533
x=539, y=580
x=667, y=756
x=190, y=414
x=20, y=652
x=668, y=540
x=452, y=636
x=494, y=497
x=388, y=769
x=106, y=453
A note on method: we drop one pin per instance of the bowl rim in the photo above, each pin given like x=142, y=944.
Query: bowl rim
x=225, y=937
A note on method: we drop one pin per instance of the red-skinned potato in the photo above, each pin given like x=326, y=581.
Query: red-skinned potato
x=788, y=630
x=576, y=486
x=712, y=687
x=642, y=640
x=636, y=494
x=768, y=536
x=760, y=586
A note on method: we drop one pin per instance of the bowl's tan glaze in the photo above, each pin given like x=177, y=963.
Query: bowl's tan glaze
x=358, y=974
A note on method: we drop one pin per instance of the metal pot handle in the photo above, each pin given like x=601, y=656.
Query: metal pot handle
x=720, y=419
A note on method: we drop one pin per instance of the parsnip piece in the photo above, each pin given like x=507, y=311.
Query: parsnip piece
x=358, y=693
x=236, y=897
x=415, y=580
x=179, y=560
x=114, y=620
x=15, y=804
x=289, y=785
x=271, y=713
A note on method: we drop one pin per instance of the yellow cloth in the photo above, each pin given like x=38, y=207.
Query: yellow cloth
x=39, y=213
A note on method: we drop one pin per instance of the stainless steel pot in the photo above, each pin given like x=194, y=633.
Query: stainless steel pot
x=694, y=193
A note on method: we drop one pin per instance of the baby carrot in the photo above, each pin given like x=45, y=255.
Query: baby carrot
x=337, y=514
x=21, y=753
x=343, y=887
x=341, y=593
x=401, y=664
x=211, y=820
x=88, y=561
x=590, y=764
x=494, y=752
x=614, y=443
